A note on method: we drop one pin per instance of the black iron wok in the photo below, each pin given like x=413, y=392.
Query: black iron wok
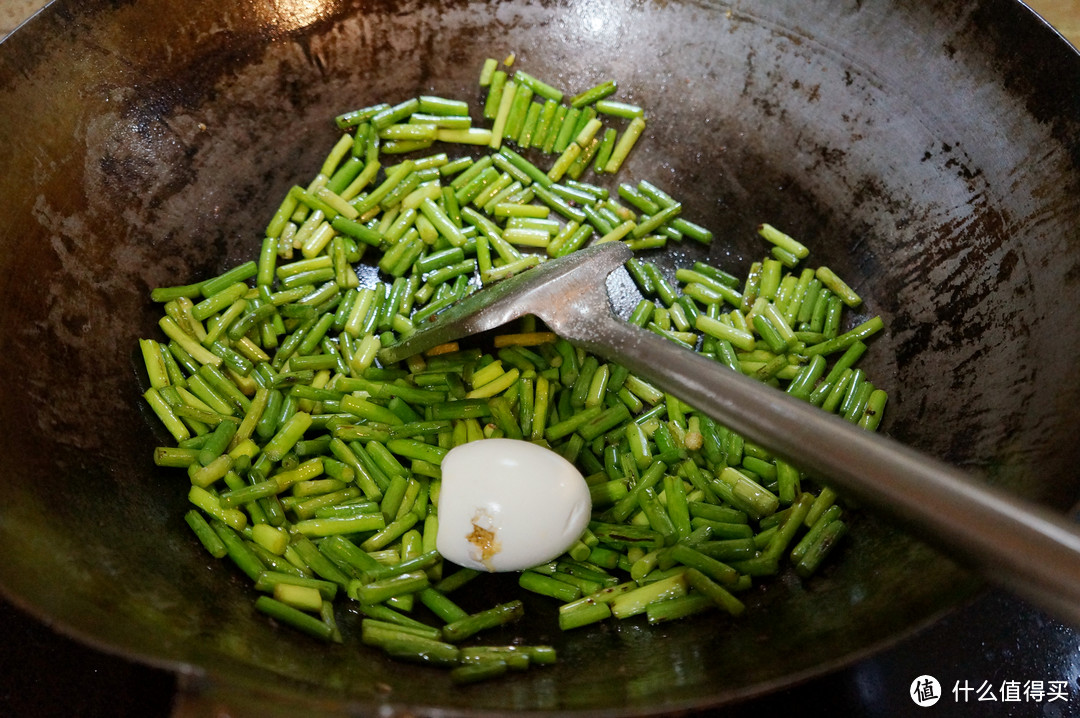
x=929, y=151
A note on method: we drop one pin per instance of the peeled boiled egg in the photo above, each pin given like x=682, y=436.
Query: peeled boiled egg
x=508, y=505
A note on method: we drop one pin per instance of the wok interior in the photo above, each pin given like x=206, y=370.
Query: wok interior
x=154, y=140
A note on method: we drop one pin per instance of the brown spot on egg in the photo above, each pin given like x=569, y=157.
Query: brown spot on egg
x=485, y=541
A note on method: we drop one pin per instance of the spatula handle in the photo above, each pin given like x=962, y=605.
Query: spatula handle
x=1014, y=543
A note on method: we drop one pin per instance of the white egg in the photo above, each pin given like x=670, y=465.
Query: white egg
x=508, y=505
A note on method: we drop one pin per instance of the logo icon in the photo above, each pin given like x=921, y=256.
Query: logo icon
x=925, y=691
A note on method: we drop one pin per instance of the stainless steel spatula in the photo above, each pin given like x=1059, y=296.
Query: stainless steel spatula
x=1014, y=543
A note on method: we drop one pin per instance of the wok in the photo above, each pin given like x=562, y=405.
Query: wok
x=926, y=150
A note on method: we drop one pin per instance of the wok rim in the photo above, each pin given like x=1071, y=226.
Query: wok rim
x=194, y=675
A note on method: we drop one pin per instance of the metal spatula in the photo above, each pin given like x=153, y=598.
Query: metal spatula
x=1016, y=544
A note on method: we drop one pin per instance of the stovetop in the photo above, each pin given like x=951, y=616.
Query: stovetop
x=994, y=657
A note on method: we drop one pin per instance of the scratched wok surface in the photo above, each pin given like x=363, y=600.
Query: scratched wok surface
x=929, y=151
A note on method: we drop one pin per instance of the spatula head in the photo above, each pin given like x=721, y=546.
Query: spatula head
x=552, y=291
